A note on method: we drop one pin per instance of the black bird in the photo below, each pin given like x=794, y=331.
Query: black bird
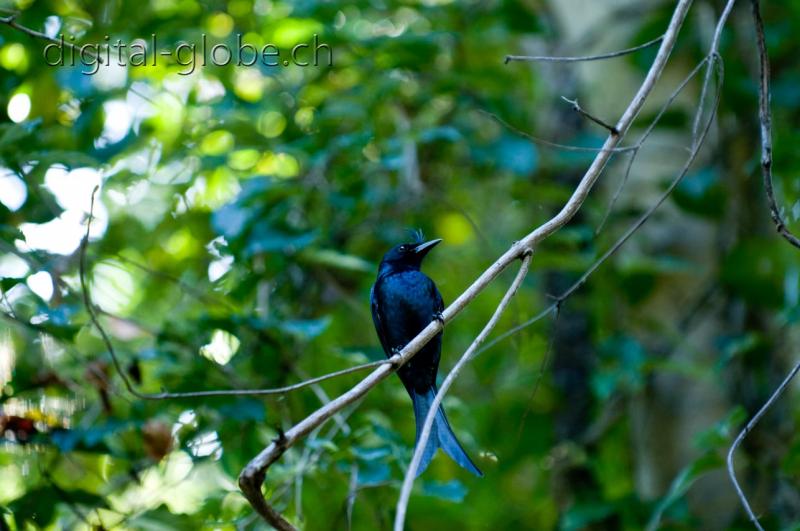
x=404, y=301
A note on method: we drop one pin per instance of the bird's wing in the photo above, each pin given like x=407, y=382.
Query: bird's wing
x=437, y=297
x=380, y=326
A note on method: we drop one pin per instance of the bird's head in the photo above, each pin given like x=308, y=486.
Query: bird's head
x=407, y=255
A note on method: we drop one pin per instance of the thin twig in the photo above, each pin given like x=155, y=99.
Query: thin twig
x=352, y=492
x=90, y=308
x=252, y=476
x=609, y=55
x=469, y=354
x=11, y=21
x=580, y=110
x=617, y=192
x=560, y=299
x=555, y=145
x=765, y=120
x=712, y=51
x=563, y=297
x=747, y=429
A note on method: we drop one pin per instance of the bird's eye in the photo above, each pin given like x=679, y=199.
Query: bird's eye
x=404, y=248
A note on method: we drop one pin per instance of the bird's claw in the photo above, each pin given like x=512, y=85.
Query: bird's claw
x=439, y=316
x=394, y=358
x=280, y=441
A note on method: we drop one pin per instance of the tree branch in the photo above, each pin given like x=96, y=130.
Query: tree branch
x=408, y=482
x=555, y=145
x=765, y=120
x=747, y=429
x=90, y=309
x=609, y=55
x=252, y=476
x=11, y=21
x=577, y=108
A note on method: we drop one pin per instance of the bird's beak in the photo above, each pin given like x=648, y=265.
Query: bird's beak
x=423, y=248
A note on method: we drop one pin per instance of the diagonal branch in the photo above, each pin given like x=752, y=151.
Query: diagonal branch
x=765, y=118
x=766, y=169
x=469, y=354
x=580, y=110
x=583, y=58
x=11, y=21
x=252, y=476
x=747, y=429
x=165, y=395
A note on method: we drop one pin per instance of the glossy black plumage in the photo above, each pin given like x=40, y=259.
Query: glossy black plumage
x=404, y=301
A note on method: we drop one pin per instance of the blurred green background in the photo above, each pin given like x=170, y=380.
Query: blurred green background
x=241, y=217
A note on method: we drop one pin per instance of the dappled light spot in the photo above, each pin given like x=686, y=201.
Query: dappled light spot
x=6, y=359
x=114, y=286
x=217, y=142
x=209, y=89
x=220, y=25
x=291, y=31
x=52, y=25
x=19, y=107
x=222, y=348
x=41, y=284
x=72, y=189
x=210, y=192
x=14, y=57
x=13, y=191
x=181, y=244
x=454, y=228
x=218, y=268
x=279, y=165
x=118, y=121
x=110, y=75
x=12, y=266
x=271, y=124
x=304, y=117
x=249, y=84
x=243, y=159
x=63, y=234
x=167, y=118
x=205, y=445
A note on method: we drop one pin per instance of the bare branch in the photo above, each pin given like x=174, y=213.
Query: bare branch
x=747, y=429
x=11, y=21
x=253, y=474
x=559, y=300
x=712, y=51
x=555, y=145
x=609, y=55
x=90, y=308
x=408, y=482
x=577, y=108
x=765, y=119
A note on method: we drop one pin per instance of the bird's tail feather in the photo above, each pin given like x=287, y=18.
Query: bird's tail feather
x=442, y=435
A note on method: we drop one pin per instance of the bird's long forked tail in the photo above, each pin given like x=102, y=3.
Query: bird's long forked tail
x=442, y=435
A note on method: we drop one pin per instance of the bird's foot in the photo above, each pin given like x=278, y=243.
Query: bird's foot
x=280, y=441
x=395, y=358
x=439, y=316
